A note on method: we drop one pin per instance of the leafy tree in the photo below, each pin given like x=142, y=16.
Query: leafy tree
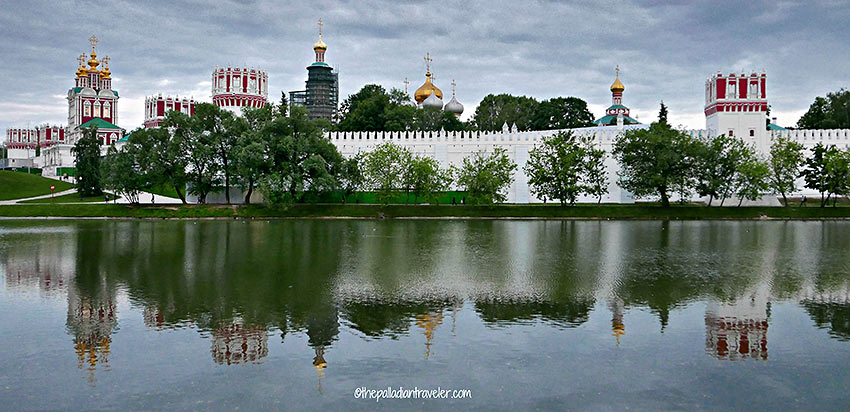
x=425, y=178
x=162, y=158
x=496, y=110
x=830, y=112
x=352, y=178
x=786, y=157
x=561, y=113
x=555, y=168
x=838, y=174
x=486, y=177
x=196, y=144
x=433, y=119
x=364, y=110
x=123, y=172
x=595, y=171
x=815, y=174
x=751, y=178
x=283, y=107
x=716, y=161
x=654, y=160
x=221, y=131
x=400, y=118
x=662, y=113
x=87, y=162
x=301, y=161
x=385, y=168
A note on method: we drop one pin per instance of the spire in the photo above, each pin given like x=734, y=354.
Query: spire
x=320, y=47
x=406, y=83
x=93, y=63
x=617, y=87
x=428, y=61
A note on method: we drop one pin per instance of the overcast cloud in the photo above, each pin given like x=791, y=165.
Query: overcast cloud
x=541, y=49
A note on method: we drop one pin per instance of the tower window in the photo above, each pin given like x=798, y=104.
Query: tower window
x=87, y=109
x=731, y=132
x=752, y=132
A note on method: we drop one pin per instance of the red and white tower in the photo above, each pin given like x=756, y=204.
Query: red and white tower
x=736, y=105
x=156, y=108
x=234, y=88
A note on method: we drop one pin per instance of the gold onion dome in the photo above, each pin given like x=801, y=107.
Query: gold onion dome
x=320, y=45
x=427, y=89
x=105, y=73
x=618, y=85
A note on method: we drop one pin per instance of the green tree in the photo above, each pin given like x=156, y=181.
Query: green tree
x=815, y=173
x=561, y=113
x=221, y=130
x=425, y=178
x=364, y=110
x=163, y=159
x=786, y=157
x=283, y=107
x=496, y=110
x=830, y=112
x=653, y=160
x=662, y=113
x=838, y=174
x=302, y=163
x=555, y=168
x=197, y=145
x=87, y=162
x=486, y=177
x=123, y=172
x=352, y=178
x=751, y=178
x=716, y=161
x=595, y=172
x=385, y=169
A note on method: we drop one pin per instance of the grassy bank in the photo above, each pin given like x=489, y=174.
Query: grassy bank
x=19, y=185
x=424, y=211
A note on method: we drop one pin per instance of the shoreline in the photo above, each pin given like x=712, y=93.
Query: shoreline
x=416, y=212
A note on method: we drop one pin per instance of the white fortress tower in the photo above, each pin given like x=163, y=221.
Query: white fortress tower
x=736, y=105
x=234, y=88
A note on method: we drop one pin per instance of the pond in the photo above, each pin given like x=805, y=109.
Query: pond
x=504, y=314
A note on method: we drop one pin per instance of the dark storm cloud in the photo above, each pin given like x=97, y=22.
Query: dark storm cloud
x=540, y=48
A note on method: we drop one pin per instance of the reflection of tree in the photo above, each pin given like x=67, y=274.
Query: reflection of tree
x=562, y=313
x=832, y=315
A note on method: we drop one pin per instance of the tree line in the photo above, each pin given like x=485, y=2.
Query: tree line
x=373, y=108
x=286, y=158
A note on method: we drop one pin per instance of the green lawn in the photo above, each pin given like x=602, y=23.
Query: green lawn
x=690, y=212
x=70, y=198
x=18, y=185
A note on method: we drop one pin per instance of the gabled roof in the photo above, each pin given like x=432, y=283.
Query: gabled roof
x=772, y=126
x=99, y=123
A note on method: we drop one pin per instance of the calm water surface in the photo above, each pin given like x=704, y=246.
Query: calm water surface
x=296, y=315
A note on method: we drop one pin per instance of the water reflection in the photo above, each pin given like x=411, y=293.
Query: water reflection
x=239, y=283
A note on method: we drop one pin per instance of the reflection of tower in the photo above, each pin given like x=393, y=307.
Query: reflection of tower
x=236, y=343
x=91, y=319
x=428, y=322
x=618, y=328
x=738, y=330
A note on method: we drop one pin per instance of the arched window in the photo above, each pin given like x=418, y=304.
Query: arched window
x=112, y=138
x=96, y=109
x=87, y=108
x=106, y=111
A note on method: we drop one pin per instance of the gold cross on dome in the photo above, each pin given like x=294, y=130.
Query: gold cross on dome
x=428, y=61
x=618, y=70
x=82, y=59
x=406, y=82
x=93, y=40
x=105, y=60
x=453, y=87
x=320, y=27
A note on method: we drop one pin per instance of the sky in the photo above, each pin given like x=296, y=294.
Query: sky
x=542, y=49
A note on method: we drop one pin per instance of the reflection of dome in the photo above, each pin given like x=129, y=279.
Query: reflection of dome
x=427, y=89
x=433, y=101
x=454, y=106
